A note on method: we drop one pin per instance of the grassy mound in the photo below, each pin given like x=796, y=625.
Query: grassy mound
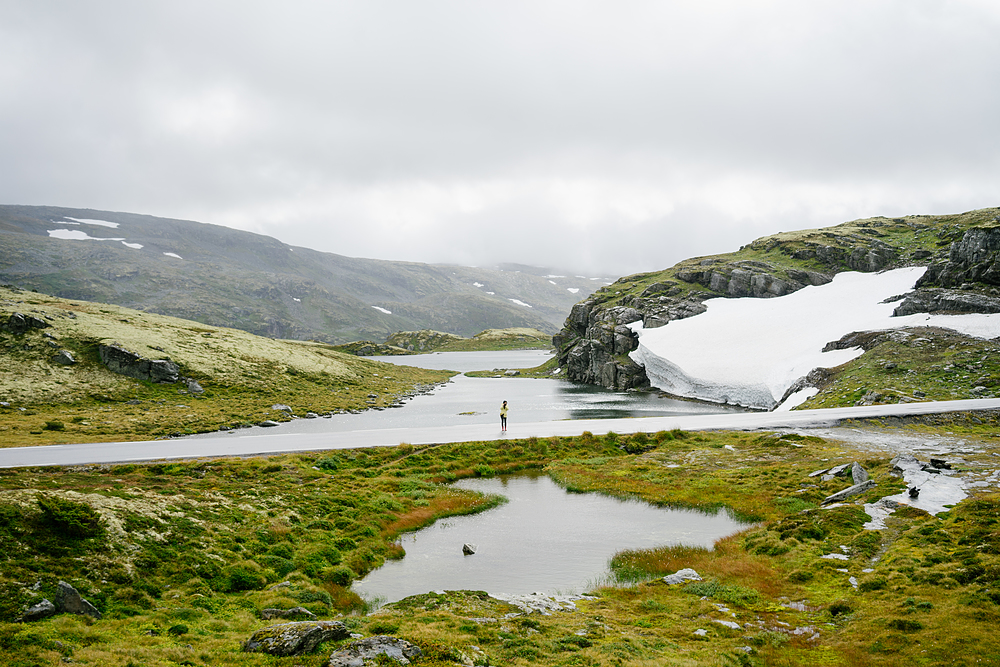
x=242, y=375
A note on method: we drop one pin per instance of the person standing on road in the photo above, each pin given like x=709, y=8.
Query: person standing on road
x=503, y=416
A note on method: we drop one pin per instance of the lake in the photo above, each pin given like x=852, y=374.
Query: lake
x=466, y=400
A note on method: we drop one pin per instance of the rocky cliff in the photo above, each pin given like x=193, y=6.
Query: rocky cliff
x=962, y=251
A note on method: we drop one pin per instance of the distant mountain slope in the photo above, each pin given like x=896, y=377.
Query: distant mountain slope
x=225, y=277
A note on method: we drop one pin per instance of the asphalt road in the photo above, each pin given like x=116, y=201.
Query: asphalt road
x=272, y=441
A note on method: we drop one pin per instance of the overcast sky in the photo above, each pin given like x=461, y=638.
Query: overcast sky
x=602, y=136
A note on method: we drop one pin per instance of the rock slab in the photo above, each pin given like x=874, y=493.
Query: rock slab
x=296, y=638
x=358, y=653
x=850, y=491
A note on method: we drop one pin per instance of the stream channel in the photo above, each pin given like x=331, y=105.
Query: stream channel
x=544, y=539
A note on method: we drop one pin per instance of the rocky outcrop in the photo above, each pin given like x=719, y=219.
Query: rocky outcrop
x=366, y=651
x=594, y=345
x=119, y=360
x=975, y=258
x=681, y=576
x=68, y=601
x=865, y=255
x=849, y=491
x=295, y=638
x=750, y=278
x=63, y=358
x=946, y=301
x=595, y=341
x=19, y=324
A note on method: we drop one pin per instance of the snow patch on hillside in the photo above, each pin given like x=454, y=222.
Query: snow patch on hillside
x=90, y=221
x=76, y=235
x=750, y=351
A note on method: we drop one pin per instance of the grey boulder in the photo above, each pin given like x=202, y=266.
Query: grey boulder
x=64, y=358
x=68, y=600
x=294, y=638
x=680, y=576
x=37, y=612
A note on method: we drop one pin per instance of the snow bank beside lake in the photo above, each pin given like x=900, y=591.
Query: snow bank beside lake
x=750, y=351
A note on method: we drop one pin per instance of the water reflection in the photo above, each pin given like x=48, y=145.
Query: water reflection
x=465, y=400
x=543, y=540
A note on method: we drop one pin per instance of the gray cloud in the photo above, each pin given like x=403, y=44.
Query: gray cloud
x=600, y=136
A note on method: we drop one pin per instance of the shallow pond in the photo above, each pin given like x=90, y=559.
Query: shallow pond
x=543, y=540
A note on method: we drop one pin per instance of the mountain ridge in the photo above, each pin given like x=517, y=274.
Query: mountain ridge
x=226, y=277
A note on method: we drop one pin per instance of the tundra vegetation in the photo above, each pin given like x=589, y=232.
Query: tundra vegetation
x=181, y=558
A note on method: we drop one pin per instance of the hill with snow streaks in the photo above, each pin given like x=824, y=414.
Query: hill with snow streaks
x=870, y=311
x=225, y=277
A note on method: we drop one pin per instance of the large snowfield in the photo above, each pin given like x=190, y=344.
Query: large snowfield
x=750, y=351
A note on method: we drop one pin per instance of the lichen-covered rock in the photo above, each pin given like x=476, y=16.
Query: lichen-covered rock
x=356, y=654
x=68, y=600
x=294, y=638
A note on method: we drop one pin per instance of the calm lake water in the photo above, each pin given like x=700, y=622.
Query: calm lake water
x=466, y=400
x=543, y=540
